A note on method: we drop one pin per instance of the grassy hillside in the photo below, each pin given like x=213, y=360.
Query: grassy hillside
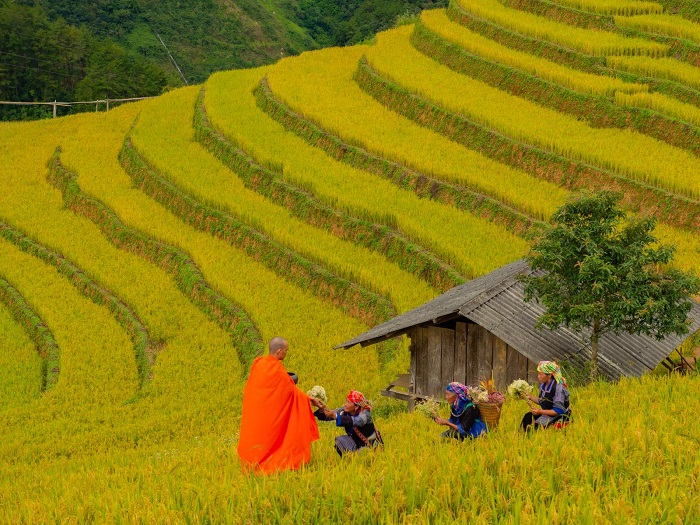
x=148, y=253
x=71, y=50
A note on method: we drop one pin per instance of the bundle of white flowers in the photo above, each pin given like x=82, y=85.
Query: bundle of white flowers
x=429, y=408
x=519, y=388
x=478, y=394
x=319, y=393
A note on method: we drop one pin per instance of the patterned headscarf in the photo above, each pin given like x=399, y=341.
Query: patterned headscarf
x=462, y=393
x=359, y=399
x=550, y=367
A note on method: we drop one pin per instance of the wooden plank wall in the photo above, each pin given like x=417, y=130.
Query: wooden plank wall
x=467, y=354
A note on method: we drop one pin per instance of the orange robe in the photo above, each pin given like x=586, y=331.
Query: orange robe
x=277, y=425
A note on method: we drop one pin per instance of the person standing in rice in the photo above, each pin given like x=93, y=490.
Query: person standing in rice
x=465, y=418
x=553, y=399
x=277, y=424
x=355, y=416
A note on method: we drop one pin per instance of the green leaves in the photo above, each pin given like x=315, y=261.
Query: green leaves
x=595, y=268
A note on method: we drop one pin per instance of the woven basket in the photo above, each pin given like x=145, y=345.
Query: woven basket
x=491, y=414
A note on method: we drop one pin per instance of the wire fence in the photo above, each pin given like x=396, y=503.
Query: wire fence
x=105, y=101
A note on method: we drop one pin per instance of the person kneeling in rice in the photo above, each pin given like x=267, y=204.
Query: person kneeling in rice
x=553, y=399
x=465, y=418
x=356, y=417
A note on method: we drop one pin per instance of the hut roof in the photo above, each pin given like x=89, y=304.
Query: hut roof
x=496, y=301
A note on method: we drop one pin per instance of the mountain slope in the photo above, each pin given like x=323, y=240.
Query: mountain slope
x=315, y=197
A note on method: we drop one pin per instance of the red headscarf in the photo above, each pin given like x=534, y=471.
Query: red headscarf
x=358, y=398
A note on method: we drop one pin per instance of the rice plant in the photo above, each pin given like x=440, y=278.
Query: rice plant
x=664, y=24
x=615, y=7
x=437, y=21
x=624, y=152
x=581, y=475
x=20, y=363
x=359, y=119
x=96, y=449
x=597, y=43
x=661, y=103
x=463, y=236
x=665, y=68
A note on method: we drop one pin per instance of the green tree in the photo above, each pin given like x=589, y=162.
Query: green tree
x=43, y=60
x=596, y=270
x=112, y=72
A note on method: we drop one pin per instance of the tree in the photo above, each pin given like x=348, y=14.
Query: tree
x=595, y=269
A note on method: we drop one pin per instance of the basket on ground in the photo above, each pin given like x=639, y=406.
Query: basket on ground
x=491, y=414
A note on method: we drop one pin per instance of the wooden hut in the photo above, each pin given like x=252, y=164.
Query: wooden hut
x=485, y=328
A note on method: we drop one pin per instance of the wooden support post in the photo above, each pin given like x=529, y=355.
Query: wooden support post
x=472, y=354
x=685, y=365
x=460, y=373
x=512, y=365
x=54, y=108
x=522, y=367
x=434, y=361
x=499, y=363
x=107, y=102
x=422, y=363
x=485, y=343
x=448, y=357
x=413, y=348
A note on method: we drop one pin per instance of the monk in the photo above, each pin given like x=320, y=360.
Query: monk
x=277, y=425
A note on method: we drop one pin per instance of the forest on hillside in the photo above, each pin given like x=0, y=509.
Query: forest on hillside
x=86, y=50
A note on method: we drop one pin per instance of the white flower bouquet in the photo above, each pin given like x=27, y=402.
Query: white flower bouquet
x=478, y=394
x=319, y=393
x=518, y=388
x=429, y=408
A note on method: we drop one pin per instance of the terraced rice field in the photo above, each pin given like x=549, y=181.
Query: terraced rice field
x=617, y=7
x=147, y=254
x=601, y=43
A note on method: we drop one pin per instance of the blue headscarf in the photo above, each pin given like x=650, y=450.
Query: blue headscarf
x=463, y=397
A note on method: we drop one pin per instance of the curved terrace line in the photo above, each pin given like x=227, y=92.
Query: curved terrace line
x=683, y=49
x=231, y=317
x=689, y=9
x=353, y=299
x=36, y=329
x=598, y=111
x=668, y=207
x=563, y=55
x=144, y=347
x=680, y=48
x=424, y=186
x=385, y=239
x=570, y=15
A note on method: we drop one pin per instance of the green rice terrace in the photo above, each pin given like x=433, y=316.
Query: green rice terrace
x=149, y=253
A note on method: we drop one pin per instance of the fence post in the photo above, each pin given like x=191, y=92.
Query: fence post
x=54, y=108
x=107, y=101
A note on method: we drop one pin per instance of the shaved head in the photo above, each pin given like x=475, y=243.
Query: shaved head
x=277, y=343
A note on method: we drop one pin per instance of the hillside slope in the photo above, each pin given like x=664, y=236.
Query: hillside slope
x=85, y=50
x=148, y=253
